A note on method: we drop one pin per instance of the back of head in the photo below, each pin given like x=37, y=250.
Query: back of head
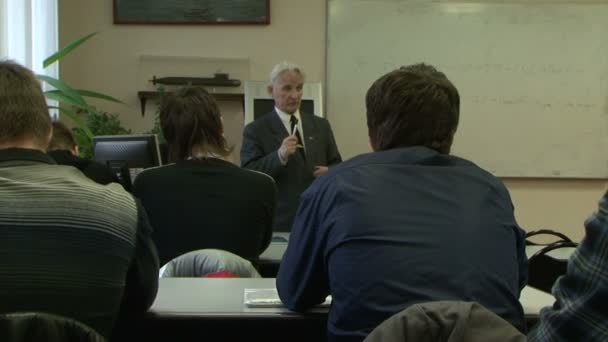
x=192, y=125
x=62, y=139
x=410, y=106
x=24, y=115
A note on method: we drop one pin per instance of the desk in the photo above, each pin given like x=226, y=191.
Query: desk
x=192, y=308
x=270, y=260
x=533, y=300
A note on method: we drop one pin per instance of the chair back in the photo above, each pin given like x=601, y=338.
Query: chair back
x=208, y=262
x=544, y=269
x=445, y=321
x=552, y=233
x=36, y=327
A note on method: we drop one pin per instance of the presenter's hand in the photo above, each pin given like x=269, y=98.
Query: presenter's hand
x=319, y=170
x=288, y=147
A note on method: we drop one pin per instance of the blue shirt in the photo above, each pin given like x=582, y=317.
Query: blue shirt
x=580, y=312
x=388, y=229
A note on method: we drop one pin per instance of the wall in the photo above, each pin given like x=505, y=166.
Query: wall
x=109, y=63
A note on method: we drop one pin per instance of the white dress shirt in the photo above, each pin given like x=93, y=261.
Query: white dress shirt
x=286, y=119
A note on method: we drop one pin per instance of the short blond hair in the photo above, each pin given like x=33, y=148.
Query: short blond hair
x=23, y=109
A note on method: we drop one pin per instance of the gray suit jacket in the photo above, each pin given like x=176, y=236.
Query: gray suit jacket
x=261, y=140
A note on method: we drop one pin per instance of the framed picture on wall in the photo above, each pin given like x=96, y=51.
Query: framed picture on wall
x=192, y=12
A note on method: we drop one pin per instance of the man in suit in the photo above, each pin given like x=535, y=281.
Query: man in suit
x=292, y=147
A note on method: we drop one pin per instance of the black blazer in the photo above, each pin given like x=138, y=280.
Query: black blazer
x=207, y=203
x=261, y=141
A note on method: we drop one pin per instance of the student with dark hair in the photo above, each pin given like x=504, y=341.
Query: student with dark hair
x=64, y=150
x=202, y=200
x=407, y=223
x=69, y=246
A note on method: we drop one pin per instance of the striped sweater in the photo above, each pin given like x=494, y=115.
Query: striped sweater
x=67, y=244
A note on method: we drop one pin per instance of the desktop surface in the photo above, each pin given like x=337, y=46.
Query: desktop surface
x=215, y=297
x=225, y=297
x=188, y=309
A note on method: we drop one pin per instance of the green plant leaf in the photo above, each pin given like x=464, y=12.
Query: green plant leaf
x=90, y=93
x=66, y=49
x=77, y=119
x=63, y=88
x=62, y=98
x=87, y=93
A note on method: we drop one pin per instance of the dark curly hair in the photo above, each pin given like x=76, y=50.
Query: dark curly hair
x=413, y=105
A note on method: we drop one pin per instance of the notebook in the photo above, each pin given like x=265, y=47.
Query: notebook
x=269, y=298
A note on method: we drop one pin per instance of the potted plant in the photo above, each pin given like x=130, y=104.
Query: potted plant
x=73, y=103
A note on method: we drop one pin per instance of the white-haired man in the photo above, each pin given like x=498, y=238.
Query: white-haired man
x=291, y=146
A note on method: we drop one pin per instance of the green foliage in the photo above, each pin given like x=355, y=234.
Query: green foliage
x=72, y=103
x=156, y=128
x=66, y=49
x=100, y=123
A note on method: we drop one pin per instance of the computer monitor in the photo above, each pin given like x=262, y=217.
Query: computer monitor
x=127, y=155
x=263, y=106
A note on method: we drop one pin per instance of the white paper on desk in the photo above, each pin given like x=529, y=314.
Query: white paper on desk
x=269, y=298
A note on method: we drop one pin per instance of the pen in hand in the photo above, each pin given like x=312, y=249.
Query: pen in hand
x=293, y=132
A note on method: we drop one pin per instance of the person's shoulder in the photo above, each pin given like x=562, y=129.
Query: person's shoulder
x=156, y=174
x=477, y=171
x=262, y=121
x=158, y=171
x=334, y=178
x=315, y=118
x=70, y=180
x=254, y=178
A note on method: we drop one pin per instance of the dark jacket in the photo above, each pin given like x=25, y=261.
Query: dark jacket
x=389, y=229
x=261, y=141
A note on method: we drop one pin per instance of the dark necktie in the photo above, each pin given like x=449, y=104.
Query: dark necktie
x=294, y=129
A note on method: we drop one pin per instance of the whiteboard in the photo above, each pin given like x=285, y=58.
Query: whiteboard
x=533, y=78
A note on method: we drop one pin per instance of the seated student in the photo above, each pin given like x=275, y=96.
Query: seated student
x=64, y=150
x=407, y=223
x=68, y=245
x=580, y=312
x=202, y=200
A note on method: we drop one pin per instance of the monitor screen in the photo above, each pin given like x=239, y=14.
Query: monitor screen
x=127, y=155
x=263, y=106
